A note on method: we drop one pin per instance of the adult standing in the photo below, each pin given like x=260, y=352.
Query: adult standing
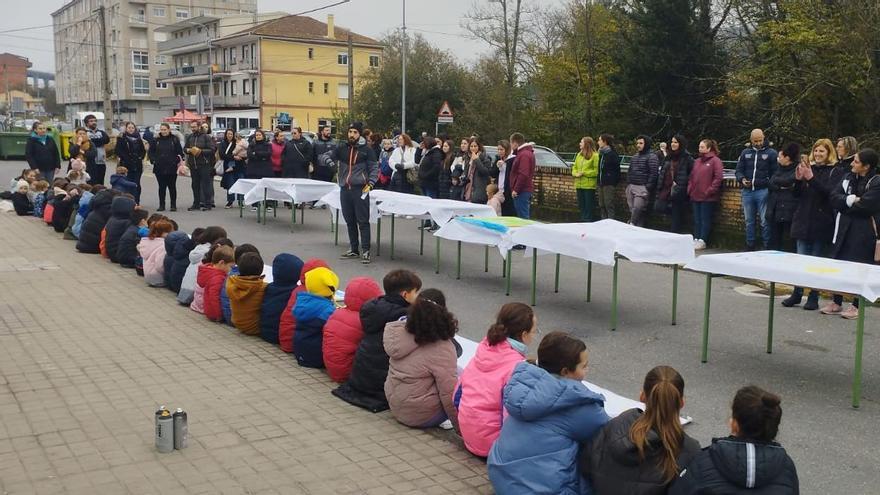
x=781, y=202
x=80, y=143
x=166, y=155
x=444, y=181
x=296, y=156
x=813, y=221
x=323, y=144
x=641, y=180
x=200, y=159
x=429, y=167
x=99, y=139
x=477, y=173
x=259, y=154
x=403, y=159
x=233, y=152
x=278, y=144
x=857, y=201
x=672, y=181
x=358, y=173
x=704, y=190
x=609, y=175
x=522, y=175
x=586, y=172
x=458, y=168
x=131, y=151
x=41, y=152
x=500, y=171
x=753, y=171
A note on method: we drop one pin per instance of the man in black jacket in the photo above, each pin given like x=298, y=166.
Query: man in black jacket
x=609, y=175
x=199, y=151
x=297, y=156
x=323, y=144
x=99, y=139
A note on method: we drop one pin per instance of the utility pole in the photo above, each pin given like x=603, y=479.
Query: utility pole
x=350, y=78
x=403, y=75
x=105, y=70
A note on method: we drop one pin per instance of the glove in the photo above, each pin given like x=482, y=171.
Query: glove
x=399, y=167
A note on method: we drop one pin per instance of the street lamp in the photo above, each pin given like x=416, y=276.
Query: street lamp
x=403, y=75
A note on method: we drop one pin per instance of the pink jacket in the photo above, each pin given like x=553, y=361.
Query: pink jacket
x=198, y=302
x=478, y=394
x=153, y=253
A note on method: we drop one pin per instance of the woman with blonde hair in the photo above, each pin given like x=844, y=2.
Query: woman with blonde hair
x=586, y=177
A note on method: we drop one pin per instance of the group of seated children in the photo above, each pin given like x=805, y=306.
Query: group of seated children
x=540, y=428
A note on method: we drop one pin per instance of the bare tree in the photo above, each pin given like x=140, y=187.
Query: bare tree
x=499, y=23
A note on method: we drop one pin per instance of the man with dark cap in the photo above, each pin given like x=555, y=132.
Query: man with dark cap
x=357, y=174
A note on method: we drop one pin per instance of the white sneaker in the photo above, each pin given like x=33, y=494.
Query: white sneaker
x=699, y=245
x=446, y=425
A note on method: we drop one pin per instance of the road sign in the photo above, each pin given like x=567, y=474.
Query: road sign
x=444, y=115
x=444, y=120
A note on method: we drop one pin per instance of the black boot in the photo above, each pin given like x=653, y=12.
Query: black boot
x=161, y=207
x=812, y=303
x=794, y=299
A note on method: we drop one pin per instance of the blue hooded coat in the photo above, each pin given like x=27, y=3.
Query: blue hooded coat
x=82, y=211
x=179, y=264
x=549, y=417
x=120, y=219
x=225, y=305
x=286, y=270
x=171, y=242
x=311, y=313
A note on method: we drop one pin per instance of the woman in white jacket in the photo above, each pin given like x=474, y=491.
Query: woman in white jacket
x=402, y=159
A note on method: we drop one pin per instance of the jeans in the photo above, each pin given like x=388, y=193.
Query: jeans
x=167, y=182
x=703, y=211
x=586, y=198
x=606, y=201
x=134, y=175
x=522, y=202
x=755, y=202
x=637, y=200
x=202, y=186
x=356, y=212
x=48, y=175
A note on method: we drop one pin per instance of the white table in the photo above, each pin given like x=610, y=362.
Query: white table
x=795, y=269
x=295, y=191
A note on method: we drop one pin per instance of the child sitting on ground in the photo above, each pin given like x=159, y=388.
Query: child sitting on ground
x=77, y=173
x=20, y=200
x=120, y=219
x=28, y=175
x=246, y=293
x=312, y=309
x=225, y=307
x=126, y=252
x=286, y=271
x=179, y=259
x=152, y=251
x=496, y=197
x=198, y=302
x=212, y=276
x=550, y=413
x=343, y=331
x=119, y=181
x=422, y=366
x=39, y=190
x=202, y=244
x=84, y=207
x=287, y=323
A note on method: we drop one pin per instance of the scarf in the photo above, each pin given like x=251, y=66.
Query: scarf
x=518, y=346
x=469, y=188
x=42, y=139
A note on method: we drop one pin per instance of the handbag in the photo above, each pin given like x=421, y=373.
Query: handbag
x=182, y=169
x=412, y=175
x=219, y=167
x=876, y=241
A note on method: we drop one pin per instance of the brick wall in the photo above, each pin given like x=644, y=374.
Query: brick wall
x=555, y=200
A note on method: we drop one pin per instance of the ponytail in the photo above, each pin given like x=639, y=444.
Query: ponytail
x=664, y=390
x=513, y=320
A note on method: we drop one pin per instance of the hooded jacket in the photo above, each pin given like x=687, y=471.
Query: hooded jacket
x=22, y=204
x=286, y=272
x=188, y=282
x=127, y=252
x=357, y=165
x=311, y=313
x=295, y=158
x=172, y=241
x=245, y=299
x=166, y=155
x=549, y=417
x=131, y=151
x=813, y=218
x=366, y=386
x=82, y=211
x=119, y=221
x=478, y=394
x=421, y=378
x=756, y=165
x=343, y=331
x=612, y=464
x=179, y=264
x=781, y=203
x=589, y=167
x=89, y=236
x=212, y=279
x=707, y=177
x=122, y=184
x=643, y=167
x=522, y=173
x=225, y=307
x=286, y=321
x=152, y=251
x=736, y=466
x=65, y=205
x=42, y=154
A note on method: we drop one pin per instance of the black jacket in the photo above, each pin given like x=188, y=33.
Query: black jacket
x=22, y=204
x=259, y=163
x=65, y=205
x=855, y=239
x=612, y=462
x=323, y=168
x=295, y=158
x=781, y=201
x=429, y=168
x=205, y=143
x=609, y=167
x=120, y=219
x=366, y=386
x=643, y=169
x=444, y=182
x=166, y=154
x=724, y=468
x=131, y=152
x=179, y=263
x=127, y=252
x=171, y=242
x=813, y=218
x=89, y=240
x=481, y=171
x=44, y=157
x=682, y=175
x=357, y=164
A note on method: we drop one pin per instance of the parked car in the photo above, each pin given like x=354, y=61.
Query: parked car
x=247, y=133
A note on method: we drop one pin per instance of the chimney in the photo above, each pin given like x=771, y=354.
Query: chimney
x=331, y=31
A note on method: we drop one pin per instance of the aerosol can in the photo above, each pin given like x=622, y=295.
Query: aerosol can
x=181, y=430
x=164, y=430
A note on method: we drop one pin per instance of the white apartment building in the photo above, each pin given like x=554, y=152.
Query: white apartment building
x=136, y=68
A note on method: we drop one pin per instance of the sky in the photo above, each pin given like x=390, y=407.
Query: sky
x=438, y=22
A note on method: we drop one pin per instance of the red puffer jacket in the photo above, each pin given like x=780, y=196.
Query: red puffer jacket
x=287, y=323
x=212, y=279
x=343, y=331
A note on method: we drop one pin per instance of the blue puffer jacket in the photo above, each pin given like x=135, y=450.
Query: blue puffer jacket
x=225, y=306
x=171, y=242
x=179, y=264
x=756, y=165
x=311, y=313
x=85, y=206
x=548, y=418
x=286, y=270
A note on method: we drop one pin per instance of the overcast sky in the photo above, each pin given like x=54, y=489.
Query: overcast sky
x=437, y=21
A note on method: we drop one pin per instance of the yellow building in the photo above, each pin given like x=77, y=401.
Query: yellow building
x=294, y=65
x=21, y=102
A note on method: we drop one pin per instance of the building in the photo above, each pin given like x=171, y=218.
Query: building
x=134, y=64
x=13, y=71
x=287, y=71
x=21, y=103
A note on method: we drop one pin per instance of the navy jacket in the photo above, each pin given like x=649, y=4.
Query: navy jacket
x=120, y=219
x=122, y=184
x=609, y=167
x=286, y=270
x=179, y=264
x=89, y=240
x=756, y=165
x=311, y=313
x=127, y=252
x=171, y=242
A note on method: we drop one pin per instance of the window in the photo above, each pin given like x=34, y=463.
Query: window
x=311, y=87
x=232, y=56
x=140, y=60
x=243, y=52
x=342, y=90
x=181, y=13
x=225, y=56
x=225, y=88
x=326, y=88
x=342, y=58
x=161, y=59
x=311, y=53
x=374, y=61
x=140, y=85
x=161, y=85
x=158, y=11
x=139, y=15
x=254, y=86
x=233, y=88
x=246, y=87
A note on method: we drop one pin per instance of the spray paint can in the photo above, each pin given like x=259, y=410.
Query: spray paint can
x=181, y=430
x=164, y=430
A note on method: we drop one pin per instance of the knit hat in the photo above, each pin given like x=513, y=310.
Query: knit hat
x=358, y=126
x=322, y=282
x=21, y=183
x=76, y=165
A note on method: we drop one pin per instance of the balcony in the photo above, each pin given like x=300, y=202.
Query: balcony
x=240, y=66
x=185, y=44
x=191, y=102
x=237, y=101
x=189, y=73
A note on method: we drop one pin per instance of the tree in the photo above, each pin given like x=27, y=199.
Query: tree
x=501, y=26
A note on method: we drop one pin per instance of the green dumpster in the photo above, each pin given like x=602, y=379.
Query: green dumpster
x=12, y=144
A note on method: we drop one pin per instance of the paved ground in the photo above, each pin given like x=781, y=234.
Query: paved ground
x=88, y=352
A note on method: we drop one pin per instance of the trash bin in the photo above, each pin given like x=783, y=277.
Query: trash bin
x=65, y=137
x=13, y=144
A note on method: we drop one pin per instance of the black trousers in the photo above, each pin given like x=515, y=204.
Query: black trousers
x=134, y=175
x=96, y=173
x=167, y=182
x=202, y=185
x=356, y=212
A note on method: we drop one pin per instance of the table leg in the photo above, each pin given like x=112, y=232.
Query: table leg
x=392, y=236
x=302, y=213
x=422, y=242
x=674, y=291
x=265, y=204
x=770, y=318
x=437, y=256
x=458, y=262
x=706, y=302
x=241, y=209
x=275, y=210
x=509, y=262
x=292, y=217
x=503, y=267
x=534, y=275
x=857, y=371
x=589, y=280
x=556, y=283
x=614, y=296
x=336, y=230
x=486, y=260
x=379, y=236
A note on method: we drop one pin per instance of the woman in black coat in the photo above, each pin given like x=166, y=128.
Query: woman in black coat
x=429, y=167
x=857, y=201
x=131, y=151
x=297, y=156
x=41, y=152
x=782, y=202
x=166, y=156
x=89, y=240
x=259, y=163
x=444, y=180
x=672, y=182
x=476, y=174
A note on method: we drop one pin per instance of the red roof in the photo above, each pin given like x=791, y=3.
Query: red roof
x=187, y=116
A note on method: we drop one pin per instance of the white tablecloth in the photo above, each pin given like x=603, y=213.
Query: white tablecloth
x=293, y=190
x=475, y=234
x=795, y=269
x=332, y=200
x=243, y=186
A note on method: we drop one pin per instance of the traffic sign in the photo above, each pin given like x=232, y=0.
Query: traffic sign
x=445, y=110
x=444, y=120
